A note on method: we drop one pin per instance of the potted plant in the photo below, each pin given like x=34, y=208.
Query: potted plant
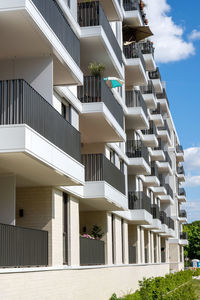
x=96, y=69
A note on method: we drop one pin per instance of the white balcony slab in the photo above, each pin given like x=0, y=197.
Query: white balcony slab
x=182, y=219
x=181, y=177
x=157, y=155
x=156, y=225
x=99, y=195
x=132, y=17
x=137, y=216
x=178, y=241
x=149, y=140
x=164, y=135
x=163, y=230
x=157, y=85
x=112, y=10
x=135, y=73
x=150, y=180
x=181, y=198
x=180, y=156
x=157, y=119
x=22, y=22
x=164, y=167
x=34, y=160
x=138, y=166
x=158, y=191
x=166, y=199
x=97, y=124
x=150, y=100
x=150, y=62
x=136, y=118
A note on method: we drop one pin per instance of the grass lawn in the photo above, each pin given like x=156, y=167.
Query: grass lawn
x=196, y=284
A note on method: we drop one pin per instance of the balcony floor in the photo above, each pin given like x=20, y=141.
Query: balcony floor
x=135, y=118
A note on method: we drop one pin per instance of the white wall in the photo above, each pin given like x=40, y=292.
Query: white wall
x=7, y=199
x=37, y=71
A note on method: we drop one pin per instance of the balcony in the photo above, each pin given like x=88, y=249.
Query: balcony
x=156, y=223
x=112, y=10
x=140, y=208
x=163, y=100
x=183, y=238
x=105, y=184
x=148, y=54
x=149, y=95
x=169, y=197
x=157, y=153
x=152, y=179
x=157, y=116
x=92, y=252
x=163, y=219
x=136, y=116
x=156, y=79
x=149, y=138
x=165, y=166
x=98, y=42
x=181, y=173
x=182, y=216
x=41, y=23
x=138, y=158
x=36, y=136
x=164, y=133
x=101, y=113
x=135, y=67
x=179, y=153
x=22, y=247
x=181, y=195
x=133, y=14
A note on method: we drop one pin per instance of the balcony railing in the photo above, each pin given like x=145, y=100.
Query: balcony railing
x=139, y=200
x=92, y=252
x=163, y=95
x=155, y=211
x=21, y=104
x=180, y=170
x=182, y=192
x=155, y=74
x=148, y=89
x=95, y=90
x=165, y=127
x=99, y=168
x=135, y=99
x=133, y=5
x=163, y=217
x=152, y=129
x=179, y=149
x=168, y=159
x=163, y=257
x=54, y=16
x=169, y=190
x=183, y=235
x=160, y=145
x=135, y=148
x=182, y=213
x=170, y=223
x=154, y=169
x=92, y=14
x=132, y=254
x=158, y=110
x=147, y=47
x=23, y=247
x=133, y=51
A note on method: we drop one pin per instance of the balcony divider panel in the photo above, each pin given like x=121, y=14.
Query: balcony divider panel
x=92, y=252
x=132, y=254
x=22, y=247
x=21, y=104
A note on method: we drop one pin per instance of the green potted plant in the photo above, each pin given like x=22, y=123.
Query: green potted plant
x=96, y=69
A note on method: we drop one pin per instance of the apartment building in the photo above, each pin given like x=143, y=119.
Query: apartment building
x=78, y=158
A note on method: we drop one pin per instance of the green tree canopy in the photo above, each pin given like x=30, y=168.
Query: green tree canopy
x=193, y=249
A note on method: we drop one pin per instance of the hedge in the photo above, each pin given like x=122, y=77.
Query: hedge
x=172, y=286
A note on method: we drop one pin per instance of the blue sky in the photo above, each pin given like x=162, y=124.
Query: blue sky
x=181, y=73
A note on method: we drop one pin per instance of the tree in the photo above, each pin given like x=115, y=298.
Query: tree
x=193, y=249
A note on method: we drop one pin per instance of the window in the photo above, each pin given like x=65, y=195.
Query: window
x=66, y=111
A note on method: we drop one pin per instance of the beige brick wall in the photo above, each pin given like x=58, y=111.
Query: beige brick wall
x=84, y=284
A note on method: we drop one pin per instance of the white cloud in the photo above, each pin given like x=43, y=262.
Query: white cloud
x=192, y=181
x=168, y=36
x=192, y=159
x=195, y=35
x=193, y=210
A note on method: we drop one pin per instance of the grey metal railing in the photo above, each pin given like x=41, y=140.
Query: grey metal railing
x=163, y=217
x=158, y=110
x=182, y=213
x=155, y=211
x=148, y=89
x=92, y=252
x=146, y=255
x=182, y=192
x=147, y=47
x=169, y=190
x=23, y=247
x=139, y=200
x=99, y=168
x=170, y=223
x=54, y=16
x=180, y=170
x=155, y=74
x=132, y=254
x=165, y=127
x=168, y=159
x=92, y=14
x=163, y=95
x=135, y=99
x=94, y=90
x=183, y=235
x=154, y=169
x=134, y=51
x=134, y=5
x=135, y=148
x=21, y=104
x=160, y=145
x=152, y=129
x=163, y=257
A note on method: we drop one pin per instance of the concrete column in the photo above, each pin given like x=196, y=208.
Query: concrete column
x=125, y=243
x=159, y=249
x=138, y=246
x=117, y=240
x=142, y=245
x=8, y=200
x=152, y=248
x=149, y=247
x=167, y=250
x=74, y=240
x=109, y=250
